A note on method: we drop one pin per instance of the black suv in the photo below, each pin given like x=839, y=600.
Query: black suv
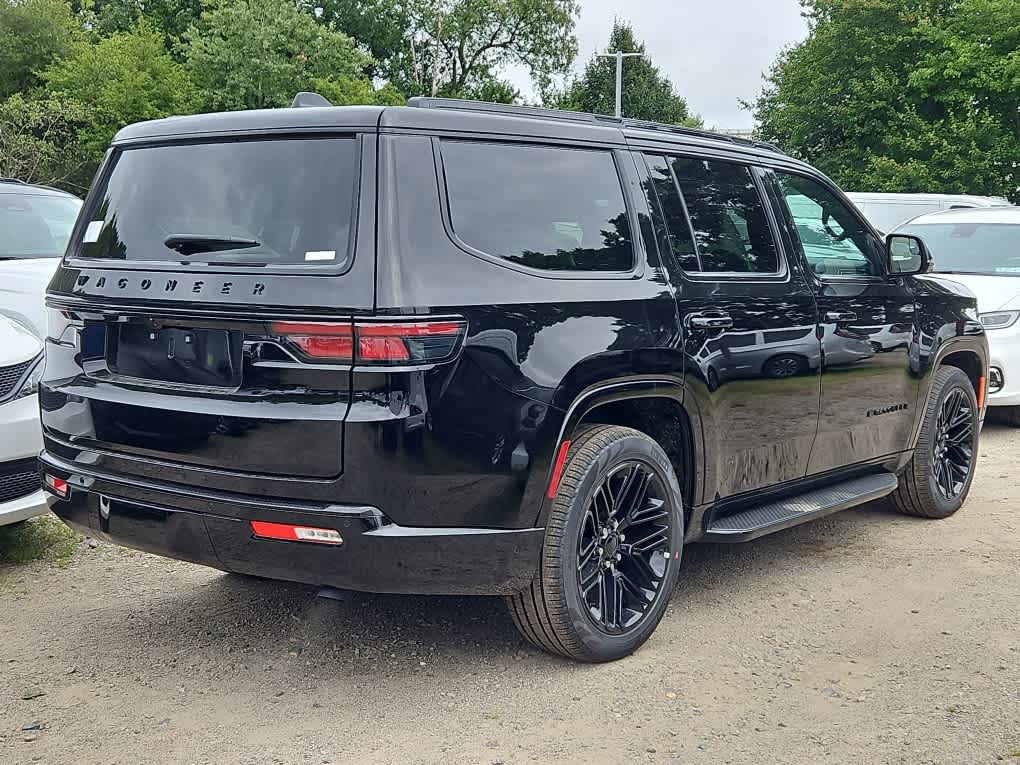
x=461, y=348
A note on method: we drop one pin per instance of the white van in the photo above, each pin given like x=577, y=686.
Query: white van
x=887, y=211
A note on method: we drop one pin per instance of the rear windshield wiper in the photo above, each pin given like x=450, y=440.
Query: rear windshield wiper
x=190, y=244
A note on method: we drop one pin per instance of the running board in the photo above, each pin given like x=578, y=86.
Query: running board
x=784, y=513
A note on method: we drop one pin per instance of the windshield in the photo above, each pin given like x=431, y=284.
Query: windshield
x=249, y=203
x=978, y=248
x=35, y=225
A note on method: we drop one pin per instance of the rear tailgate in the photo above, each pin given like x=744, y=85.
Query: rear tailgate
x=172, y=320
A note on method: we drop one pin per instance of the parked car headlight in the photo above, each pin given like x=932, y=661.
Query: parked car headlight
x=1000, y=319
x=31, y=383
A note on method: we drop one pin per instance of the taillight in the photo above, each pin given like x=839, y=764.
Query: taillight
x=318, y=340
x=370, y=343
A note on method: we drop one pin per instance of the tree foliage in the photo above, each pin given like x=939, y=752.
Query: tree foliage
x=171, y=17
x=124, y=78
x=32, y=34
x=647, y=93
x=39, y=141
x=252, y=54
x=919, y=96
x=455, y=47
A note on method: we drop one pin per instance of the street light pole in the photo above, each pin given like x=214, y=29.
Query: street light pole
x=619, y=56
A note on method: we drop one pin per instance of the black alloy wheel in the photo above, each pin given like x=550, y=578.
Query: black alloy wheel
x=623, y=549
x=953, y=445
x=936, y=481
x=612, y=549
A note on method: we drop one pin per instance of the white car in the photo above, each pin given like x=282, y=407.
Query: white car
x=35, y=226
x=887, y=211
x=981, y=250
x=21, y=368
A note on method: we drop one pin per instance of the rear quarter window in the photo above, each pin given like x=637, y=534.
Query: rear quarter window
x=549, y=208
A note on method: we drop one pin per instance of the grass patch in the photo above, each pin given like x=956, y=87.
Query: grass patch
x=44, y=538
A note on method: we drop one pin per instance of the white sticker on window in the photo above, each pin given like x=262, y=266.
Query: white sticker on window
x=93, y=231
x=321, y=255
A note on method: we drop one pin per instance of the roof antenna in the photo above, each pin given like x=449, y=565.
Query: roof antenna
x=304, y=99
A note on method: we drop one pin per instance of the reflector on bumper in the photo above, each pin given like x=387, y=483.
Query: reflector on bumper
x=291, y=533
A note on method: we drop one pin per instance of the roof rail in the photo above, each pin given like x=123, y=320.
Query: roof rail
x=13, y=180
x=424, y=102
x=306, y=99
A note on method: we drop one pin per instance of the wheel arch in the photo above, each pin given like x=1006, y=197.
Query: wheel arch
x=966, y=353
x=652, y=405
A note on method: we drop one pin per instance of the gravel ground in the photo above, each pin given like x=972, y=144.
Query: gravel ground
x=864, y=638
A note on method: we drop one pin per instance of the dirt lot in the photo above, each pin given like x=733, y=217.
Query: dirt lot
x=867, y=637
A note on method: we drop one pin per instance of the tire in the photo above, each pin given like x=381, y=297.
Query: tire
x=784, y=366
x=921, y=492
x=553, y=613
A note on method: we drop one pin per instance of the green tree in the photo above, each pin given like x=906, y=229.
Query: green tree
x=647, y=93
x=251, y=54
x=33, y=33
x=348, y=91
x=39, y=141
x=885, y=95
x=456, y=47
x=171, y=17
x=379, y=26
x=121, y=79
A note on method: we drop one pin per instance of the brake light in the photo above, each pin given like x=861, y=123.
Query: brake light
x=289, y=532
x=57, y=485
x=318, y=340
x=371, y=343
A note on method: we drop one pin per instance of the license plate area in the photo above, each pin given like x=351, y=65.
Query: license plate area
x=176, y=355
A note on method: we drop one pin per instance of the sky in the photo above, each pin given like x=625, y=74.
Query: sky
x=714, y=51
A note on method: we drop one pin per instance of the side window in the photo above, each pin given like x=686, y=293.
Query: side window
x=681, y=238
x=726, y=211
x=542, y=207
x=834, y=241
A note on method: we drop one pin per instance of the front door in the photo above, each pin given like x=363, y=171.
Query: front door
x=866, y=322
x=749, y=323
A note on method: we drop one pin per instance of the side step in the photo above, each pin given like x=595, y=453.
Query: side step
x=782, y=514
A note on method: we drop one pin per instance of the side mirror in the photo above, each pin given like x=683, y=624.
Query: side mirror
x=906, y=254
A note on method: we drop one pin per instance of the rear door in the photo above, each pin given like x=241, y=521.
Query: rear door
x=749, y=323
x=203, y=318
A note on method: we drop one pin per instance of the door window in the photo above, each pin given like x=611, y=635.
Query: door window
x=730, y=226
x=833, y=239
x=678, y=229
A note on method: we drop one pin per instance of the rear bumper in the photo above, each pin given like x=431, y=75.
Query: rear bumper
x=376, y=555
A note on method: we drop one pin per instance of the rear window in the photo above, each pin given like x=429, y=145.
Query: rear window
x=254, y=202
x=542, y=207
x=35, y=225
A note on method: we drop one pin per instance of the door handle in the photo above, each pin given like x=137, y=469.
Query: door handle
x=710, y=321
x=840, y=316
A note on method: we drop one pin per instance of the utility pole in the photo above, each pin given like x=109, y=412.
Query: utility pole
x=619, y=56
